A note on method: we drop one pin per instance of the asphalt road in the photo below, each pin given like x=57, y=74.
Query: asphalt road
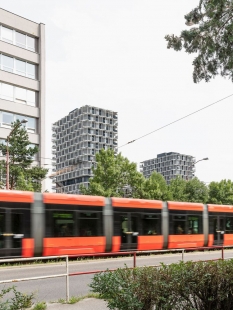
x=54, y=289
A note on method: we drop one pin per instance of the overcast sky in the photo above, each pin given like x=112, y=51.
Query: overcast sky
x=112, y=54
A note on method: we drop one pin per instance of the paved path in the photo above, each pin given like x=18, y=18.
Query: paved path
x=85, y=304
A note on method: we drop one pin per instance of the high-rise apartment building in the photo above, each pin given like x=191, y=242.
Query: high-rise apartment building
x=170, y=165
x=76, y=139
x=22, y=77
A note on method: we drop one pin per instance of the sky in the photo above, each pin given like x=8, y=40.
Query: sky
x=112, y=54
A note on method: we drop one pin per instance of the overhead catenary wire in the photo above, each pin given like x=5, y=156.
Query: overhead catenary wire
x=177, y=120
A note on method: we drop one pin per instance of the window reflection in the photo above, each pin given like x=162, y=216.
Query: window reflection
x=151, y=224
x=63, y=224
x=89, y=224
x=229, y=225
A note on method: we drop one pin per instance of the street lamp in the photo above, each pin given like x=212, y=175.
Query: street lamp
x=194, y=163
x=23, y=121
x=206, y=158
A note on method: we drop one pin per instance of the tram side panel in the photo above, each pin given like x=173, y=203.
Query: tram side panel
x=137, y=224
x=185, y=225
x=15, y=228
x=74, y=225
x=220, y=224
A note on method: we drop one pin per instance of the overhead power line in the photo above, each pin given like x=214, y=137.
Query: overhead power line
x=179, y=119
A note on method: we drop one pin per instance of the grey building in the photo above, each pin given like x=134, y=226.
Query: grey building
x=76, y=139
x=22, y=77
x=170, y=165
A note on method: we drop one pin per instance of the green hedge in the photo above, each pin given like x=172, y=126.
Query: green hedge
x=182, y=286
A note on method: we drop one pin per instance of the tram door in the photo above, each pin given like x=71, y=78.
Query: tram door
x=218, y=225
x=129, y=231
x=13, y=227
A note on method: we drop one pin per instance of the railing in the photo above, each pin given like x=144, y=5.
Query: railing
x=67, y=274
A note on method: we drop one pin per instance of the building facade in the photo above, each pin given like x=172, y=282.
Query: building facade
x=22, y=78
x=170, y=165
x=76, y=138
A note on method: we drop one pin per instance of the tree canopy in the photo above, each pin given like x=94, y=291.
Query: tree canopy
x=210, y=39
x=221, y=192
x=115, y=176
x=22, y=175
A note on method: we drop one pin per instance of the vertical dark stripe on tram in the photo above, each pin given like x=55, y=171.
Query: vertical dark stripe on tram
x=108, y=223
x=205, y=225
x=165, y=224
x=38, y=223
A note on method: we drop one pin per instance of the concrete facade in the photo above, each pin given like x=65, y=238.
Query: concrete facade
x=22, y=77
x=170, y=165
x=76, y=139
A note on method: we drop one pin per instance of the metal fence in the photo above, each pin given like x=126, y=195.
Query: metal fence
x=66, y=258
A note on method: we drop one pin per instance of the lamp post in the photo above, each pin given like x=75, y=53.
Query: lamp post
x=23, y=121
x=206, y=158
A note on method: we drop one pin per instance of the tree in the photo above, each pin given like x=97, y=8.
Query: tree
x=188, y=191
x=113, y=175
x=196, y=191
x=177, y=189
x=221, y=192
x=23, y=184
x=211, y=39
x=21, y=154
x=155, y=187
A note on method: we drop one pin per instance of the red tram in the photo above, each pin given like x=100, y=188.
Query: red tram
x=35, y=224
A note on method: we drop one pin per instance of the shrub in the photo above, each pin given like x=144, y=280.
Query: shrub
x=19, y=301
x=182, y=286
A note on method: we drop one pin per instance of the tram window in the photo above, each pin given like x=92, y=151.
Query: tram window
x=63, y=224
x=179, y=224
x=229, y=225
x=194, y=226
x=89, y=224
x=2, y=229
x=151, y=224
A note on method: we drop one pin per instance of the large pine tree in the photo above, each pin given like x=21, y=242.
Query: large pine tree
x=21, y=157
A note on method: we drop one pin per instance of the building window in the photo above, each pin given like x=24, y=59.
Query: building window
x=18, y=66
x=7, y=92
x=8, y=118
x=17, y=38
x=20, y=39
x=7, y=34
x=17, y=94
x=7, y=63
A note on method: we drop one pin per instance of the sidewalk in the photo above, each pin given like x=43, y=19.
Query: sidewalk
x=85, y=304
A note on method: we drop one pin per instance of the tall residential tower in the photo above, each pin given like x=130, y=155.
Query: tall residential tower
x=22, y=77
x=76, y=139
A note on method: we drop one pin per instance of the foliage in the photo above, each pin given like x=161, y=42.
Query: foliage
x=210, y=38
x=190, y=191
x=19, y=301
x=21, y=174
x=221, y=192
x=113, y=175
x=177, y=189
x=182, y=286
x=155, y=187
x=196, y=191
x=24, y=185
x=40, y=306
